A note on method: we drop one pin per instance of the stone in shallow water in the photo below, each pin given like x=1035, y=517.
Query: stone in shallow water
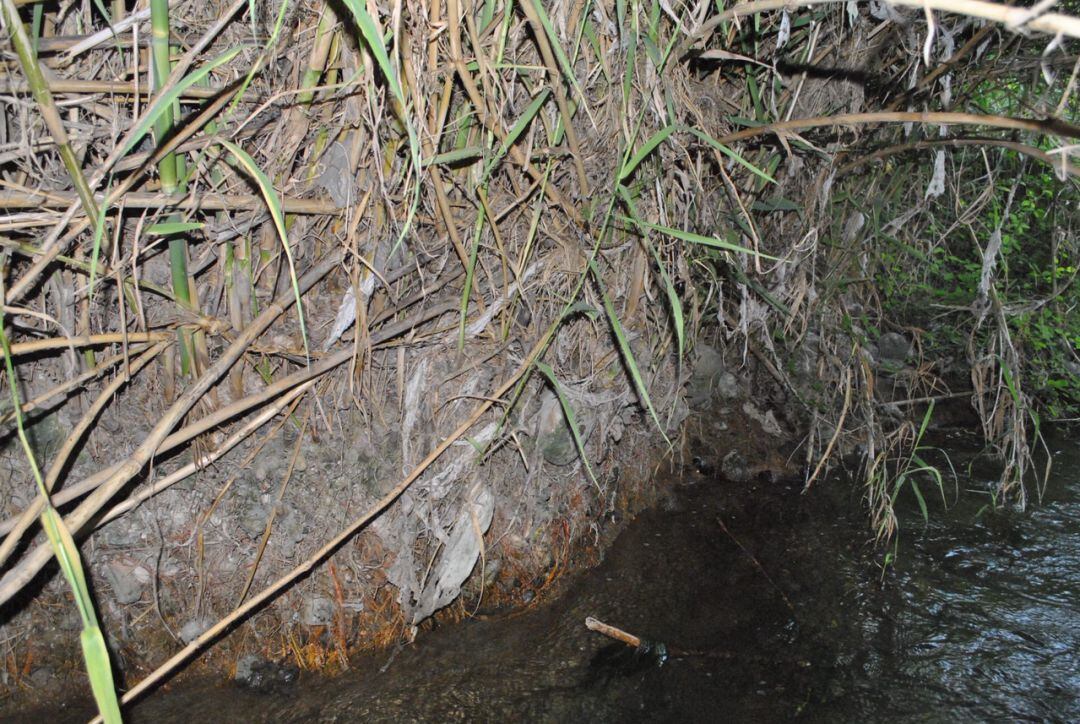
x=256, y=672
x=734, y=467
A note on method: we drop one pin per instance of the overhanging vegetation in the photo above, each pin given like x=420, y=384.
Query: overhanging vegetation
x=459, y=252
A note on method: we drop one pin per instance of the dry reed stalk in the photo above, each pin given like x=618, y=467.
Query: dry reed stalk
x=1062, y=163
x=112, y=87
x=47, y=106
x=90, y=340
x=189, y=202
x=1051, y=128
x=52, y=246
x=1011, y=16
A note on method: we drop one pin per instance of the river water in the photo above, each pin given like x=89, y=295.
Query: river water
x=785, y=605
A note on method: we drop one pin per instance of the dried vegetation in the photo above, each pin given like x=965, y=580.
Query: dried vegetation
x=507, y=225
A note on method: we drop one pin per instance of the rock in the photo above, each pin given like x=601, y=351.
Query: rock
x=711, y=380
x=893, y=348
x=253, y=520
x=491, y=571
x=679, y=412
x=707, y=370
x=336, y=177
x=261, y=674
x=193, y=629
x=734, y=467
x=616, y=428
x=727, y=385
x=262, y=466
x=767, y=419
x=70, y=621
x=871, y=354
x=121, y=534
x=361, y=450
x=317, y=610
x=46, y=433
x=553, y=433
x=127, y=580
x=43, y=676
x=289, y=532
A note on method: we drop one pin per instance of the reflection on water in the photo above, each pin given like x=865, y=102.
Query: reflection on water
x=981, y=619
x=977, y=620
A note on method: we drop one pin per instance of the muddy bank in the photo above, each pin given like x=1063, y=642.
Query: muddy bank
x=354, y=603
x=792, y=611
x=671, y=571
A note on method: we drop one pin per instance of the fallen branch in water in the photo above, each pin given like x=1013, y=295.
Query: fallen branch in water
x=658, y=649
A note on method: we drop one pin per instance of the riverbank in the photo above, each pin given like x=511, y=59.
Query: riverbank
x=798, y=613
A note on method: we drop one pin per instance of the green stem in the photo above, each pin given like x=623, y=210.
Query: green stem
x=95, y=653
x=170, y=170
x=159, y=46
x=319, y=55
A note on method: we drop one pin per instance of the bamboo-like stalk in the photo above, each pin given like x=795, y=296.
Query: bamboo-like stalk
x=319, y=55
x=53, y=244
x=556, y=77
x=943, y=118
x=159, y=46
x=50, y=113
x=169, y=173
x=107, y=274
x=40, y=345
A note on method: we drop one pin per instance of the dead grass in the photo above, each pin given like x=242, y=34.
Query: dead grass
x=386, y=224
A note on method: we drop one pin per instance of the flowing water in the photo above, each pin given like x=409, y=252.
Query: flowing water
x=785, y=606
